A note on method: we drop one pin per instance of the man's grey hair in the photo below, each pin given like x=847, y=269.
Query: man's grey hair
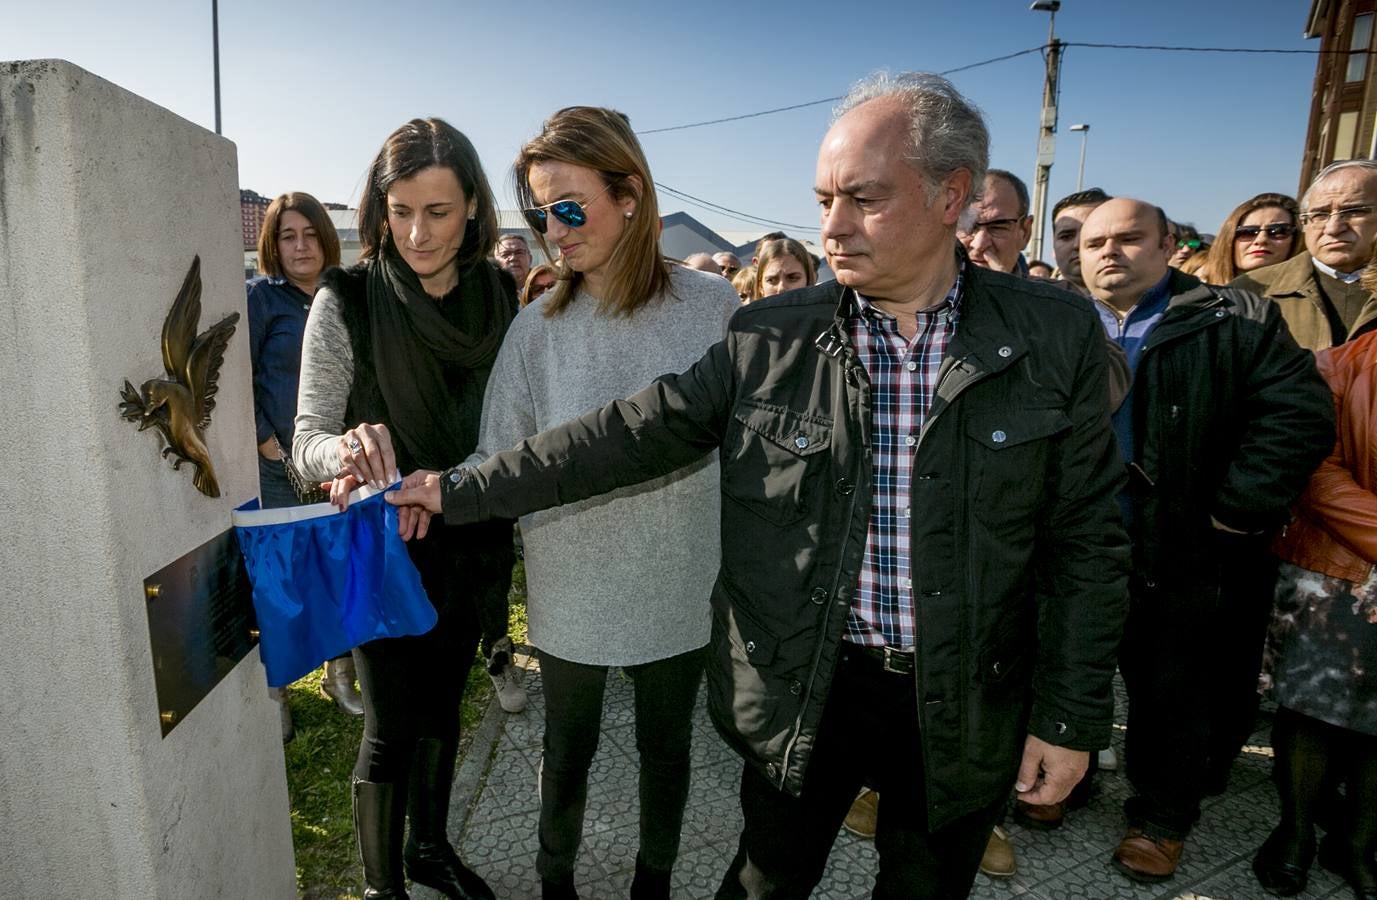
x=947, y=132
x=514, y=236
x=1366, y=164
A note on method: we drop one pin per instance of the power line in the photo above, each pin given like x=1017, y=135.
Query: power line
x=728, y=211
x=819, y=102
x=1290, y=51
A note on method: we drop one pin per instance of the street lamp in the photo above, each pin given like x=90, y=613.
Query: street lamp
x=1085, y=135
x=1047, y=124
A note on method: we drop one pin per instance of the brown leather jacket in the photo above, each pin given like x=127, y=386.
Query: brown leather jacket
x=1335, y=528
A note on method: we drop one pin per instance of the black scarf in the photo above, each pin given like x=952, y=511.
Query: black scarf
x=415, y=344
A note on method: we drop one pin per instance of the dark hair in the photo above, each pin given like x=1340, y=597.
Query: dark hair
x=416, y=146
x=1088, y=197
x=766, y=238
x=1020, y=189
x=269, y=262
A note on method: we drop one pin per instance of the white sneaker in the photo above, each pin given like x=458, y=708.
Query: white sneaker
x=511, y=693
x=1108, y=760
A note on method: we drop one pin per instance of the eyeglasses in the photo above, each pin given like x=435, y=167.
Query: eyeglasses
x=996, y=227
x=570, y=212
x=1193, y=243
x=1276, y=232
x=1348, y=214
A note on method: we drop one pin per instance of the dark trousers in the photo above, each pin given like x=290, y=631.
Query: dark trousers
x=868, y=735
x=665, y=691
x=1190, y=658
x=412, y=686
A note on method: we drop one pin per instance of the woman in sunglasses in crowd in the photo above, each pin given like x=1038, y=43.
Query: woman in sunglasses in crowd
x=540, y=280
x=397, y=353
x=1188, y=243
x=624, y=579
x=783, y=264
x=1262, y=231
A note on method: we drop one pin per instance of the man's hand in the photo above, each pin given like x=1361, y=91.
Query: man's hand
x=270, y=449
x=416, y=500
x=1048, y=772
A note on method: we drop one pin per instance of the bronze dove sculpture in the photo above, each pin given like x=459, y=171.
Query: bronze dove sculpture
x=179, y=405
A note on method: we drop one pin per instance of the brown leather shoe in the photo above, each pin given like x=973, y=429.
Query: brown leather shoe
x=1041, y=818
x=1146, y=858
x=860, y=820
x=999, y=860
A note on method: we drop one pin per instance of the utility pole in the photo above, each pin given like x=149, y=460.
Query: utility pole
x=215, y=41
x=1047, y=128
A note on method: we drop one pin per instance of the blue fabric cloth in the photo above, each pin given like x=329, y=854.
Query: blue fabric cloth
x=325, y=582
x=277, y=321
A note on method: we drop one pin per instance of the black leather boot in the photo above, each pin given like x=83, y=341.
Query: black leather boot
x=378, y=819
x=430, y=860
x=558, y=888
x=649, y=884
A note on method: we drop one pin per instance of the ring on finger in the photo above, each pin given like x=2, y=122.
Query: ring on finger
x=355, y=445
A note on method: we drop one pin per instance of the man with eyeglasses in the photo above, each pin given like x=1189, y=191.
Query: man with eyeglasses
x=729, y=263
x=1319, y=291
x=1002, y=224
x=1224, y=423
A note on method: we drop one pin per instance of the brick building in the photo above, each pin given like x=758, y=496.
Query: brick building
x=252, y=207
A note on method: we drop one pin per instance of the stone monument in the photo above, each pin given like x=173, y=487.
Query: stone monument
x=105, y=200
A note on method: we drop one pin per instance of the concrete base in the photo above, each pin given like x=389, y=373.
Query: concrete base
x=104, y=200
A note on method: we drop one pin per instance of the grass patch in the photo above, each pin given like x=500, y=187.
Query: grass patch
x=321, y=758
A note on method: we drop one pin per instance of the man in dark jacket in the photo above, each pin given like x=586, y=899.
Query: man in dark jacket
x=1225, y=421
x=917, y=474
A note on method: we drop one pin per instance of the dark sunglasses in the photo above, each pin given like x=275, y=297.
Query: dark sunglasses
x=1276, y=232
x=570, y=212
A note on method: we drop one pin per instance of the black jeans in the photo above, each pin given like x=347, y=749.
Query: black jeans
x=1190, y=658
x=868, y=734
x=665, y=692
x=412, y=686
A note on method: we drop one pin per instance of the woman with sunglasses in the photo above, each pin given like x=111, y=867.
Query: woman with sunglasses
x=1188, y=243
x=397, y=353
x=621, y=580
x=1262, y=231
x=540, y=280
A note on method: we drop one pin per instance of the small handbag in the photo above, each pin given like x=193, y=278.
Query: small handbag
x=306, y=490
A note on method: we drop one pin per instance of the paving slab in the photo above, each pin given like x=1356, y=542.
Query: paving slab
x=496, y=805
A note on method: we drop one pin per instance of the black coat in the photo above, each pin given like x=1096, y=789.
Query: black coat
x=1230, y=418
x=1019, y=553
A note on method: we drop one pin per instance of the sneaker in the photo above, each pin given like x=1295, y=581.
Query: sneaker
x=511, y=694
x=1108, y=760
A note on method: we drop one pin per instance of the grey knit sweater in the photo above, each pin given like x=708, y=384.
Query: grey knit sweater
x=623, y=578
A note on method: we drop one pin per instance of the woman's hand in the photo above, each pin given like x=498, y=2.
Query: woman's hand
x=365, y=452
x=339, y=490
x=270, y=449
x=416, y=500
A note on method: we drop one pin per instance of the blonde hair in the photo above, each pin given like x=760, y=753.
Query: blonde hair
x=744, y=282
x=601, y=139
x=531, y=276
x=773, y=250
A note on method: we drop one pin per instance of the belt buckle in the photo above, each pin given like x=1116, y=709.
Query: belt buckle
x=901, y=664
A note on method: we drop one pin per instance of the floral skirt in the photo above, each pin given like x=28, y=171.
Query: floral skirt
x=1321, y=653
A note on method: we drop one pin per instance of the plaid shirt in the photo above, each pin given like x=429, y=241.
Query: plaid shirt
x=903, y=379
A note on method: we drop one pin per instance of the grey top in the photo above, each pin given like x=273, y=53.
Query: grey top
x=327, y=373
x=623, y=578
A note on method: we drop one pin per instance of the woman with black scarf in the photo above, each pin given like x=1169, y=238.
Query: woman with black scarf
x=397, y=353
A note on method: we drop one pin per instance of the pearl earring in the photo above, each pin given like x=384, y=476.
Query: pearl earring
x=628, y=215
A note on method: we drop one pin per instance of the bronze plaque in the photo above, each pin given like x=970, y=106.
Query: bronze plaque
x=200, y=624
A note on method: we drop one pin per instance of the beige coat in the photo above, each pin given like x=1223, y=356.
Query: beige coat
x=1294, y=287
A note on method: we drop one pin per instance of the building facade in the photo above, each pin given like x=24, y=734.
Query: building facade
x=1343, y=102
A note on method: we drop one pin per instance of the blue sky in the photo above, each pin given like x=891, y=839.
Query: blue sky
x=310, y=89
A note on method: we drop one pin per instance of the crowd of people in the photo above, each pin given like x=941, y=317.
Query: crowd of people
x=935, y=501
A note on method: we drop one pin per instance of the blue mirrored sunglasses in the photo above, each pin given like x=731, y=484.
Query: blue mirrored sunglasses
x=570, y=212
